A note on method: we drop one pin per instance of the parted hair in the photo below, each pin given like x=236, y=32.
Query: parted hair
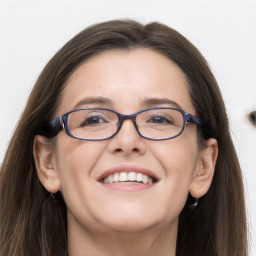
x=34, y=224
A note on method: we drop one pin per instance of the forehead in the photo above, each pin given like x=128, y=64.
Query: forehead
x=126, y=78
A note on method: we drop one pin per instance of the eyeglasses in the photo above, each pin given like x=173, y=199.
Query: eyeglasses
x=95, y=124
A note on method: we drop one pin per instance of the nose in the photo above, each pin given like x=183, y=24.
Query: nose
x=127, y=140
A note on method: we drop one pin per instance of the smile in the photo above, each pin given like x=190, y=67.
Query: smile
x=128, y=177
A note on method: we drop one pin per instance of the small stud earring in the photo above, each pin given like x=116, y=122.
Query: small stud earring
x=52, y=196
x=194, y=205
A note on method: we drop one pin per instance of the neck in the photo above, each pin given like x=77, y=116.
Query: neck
x=148, y=242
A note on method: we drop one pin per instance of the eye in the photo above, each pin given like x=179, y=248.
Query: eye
x=161, y=120
x=93, y=120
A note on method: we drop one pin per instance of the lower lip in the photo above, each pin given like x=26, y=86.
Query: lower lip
x=128, y=187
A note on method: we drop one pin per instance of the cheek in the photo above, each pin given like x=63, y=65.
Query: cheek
x=75, y=159
x=178, y=157
x=179, y=161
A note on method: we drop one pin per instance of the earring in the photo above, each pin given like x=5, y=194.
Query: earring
x=52, y=196
x=194, y=205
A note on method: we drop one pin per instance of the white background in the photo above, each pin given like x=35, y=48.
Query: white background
x=224, y=31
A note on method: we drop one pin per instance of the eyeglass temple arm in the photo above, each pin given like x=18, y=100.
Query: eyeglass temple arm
x=194, y=119
x=56, y=126
x=208, y=131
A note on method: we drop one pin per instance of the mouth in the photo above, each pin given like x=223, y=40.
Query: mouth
x=128, y=178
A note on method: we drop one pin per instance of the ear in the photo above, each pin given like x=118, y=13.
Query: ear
x=205, y=169
x=43, y=155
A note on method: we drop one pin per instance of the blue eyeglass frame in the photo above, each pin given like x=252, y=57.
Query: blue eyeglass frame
x=61, y=123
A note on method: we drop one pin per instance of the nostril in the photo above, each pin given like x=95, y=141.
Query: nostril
x=119, y=150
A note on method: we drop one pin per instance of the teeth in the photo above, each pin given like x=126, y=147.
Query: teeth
x=139, y=176
x=145, y=179
x=105, y=180
x=132, y=176
x=116, y=177
x=126, y=177
x=110, y=179
x=123, y=176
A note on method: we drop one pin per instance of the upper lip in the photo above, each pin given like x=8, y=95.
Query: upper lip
x=128, y=168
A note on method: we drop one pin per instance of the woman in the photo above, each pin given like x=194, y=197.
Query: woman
x=123, y=149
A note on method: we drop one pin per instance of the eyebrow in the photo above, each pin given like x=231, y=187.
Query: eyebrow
x=149, y=102
x=94, y=100
x=146, y=103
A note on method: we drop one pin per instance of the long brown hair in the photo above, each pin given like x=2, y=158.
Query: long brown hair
x=32, y=223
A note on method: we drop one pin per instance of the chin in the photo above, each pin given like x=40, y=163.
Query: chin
x=135, y=221
x=130, y=226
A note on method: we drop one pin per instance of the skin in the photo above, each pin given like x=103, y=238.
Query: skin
x=104, y=221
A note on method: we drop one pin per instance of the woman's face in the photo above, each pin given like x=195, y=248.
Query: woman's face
x=125, y=81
